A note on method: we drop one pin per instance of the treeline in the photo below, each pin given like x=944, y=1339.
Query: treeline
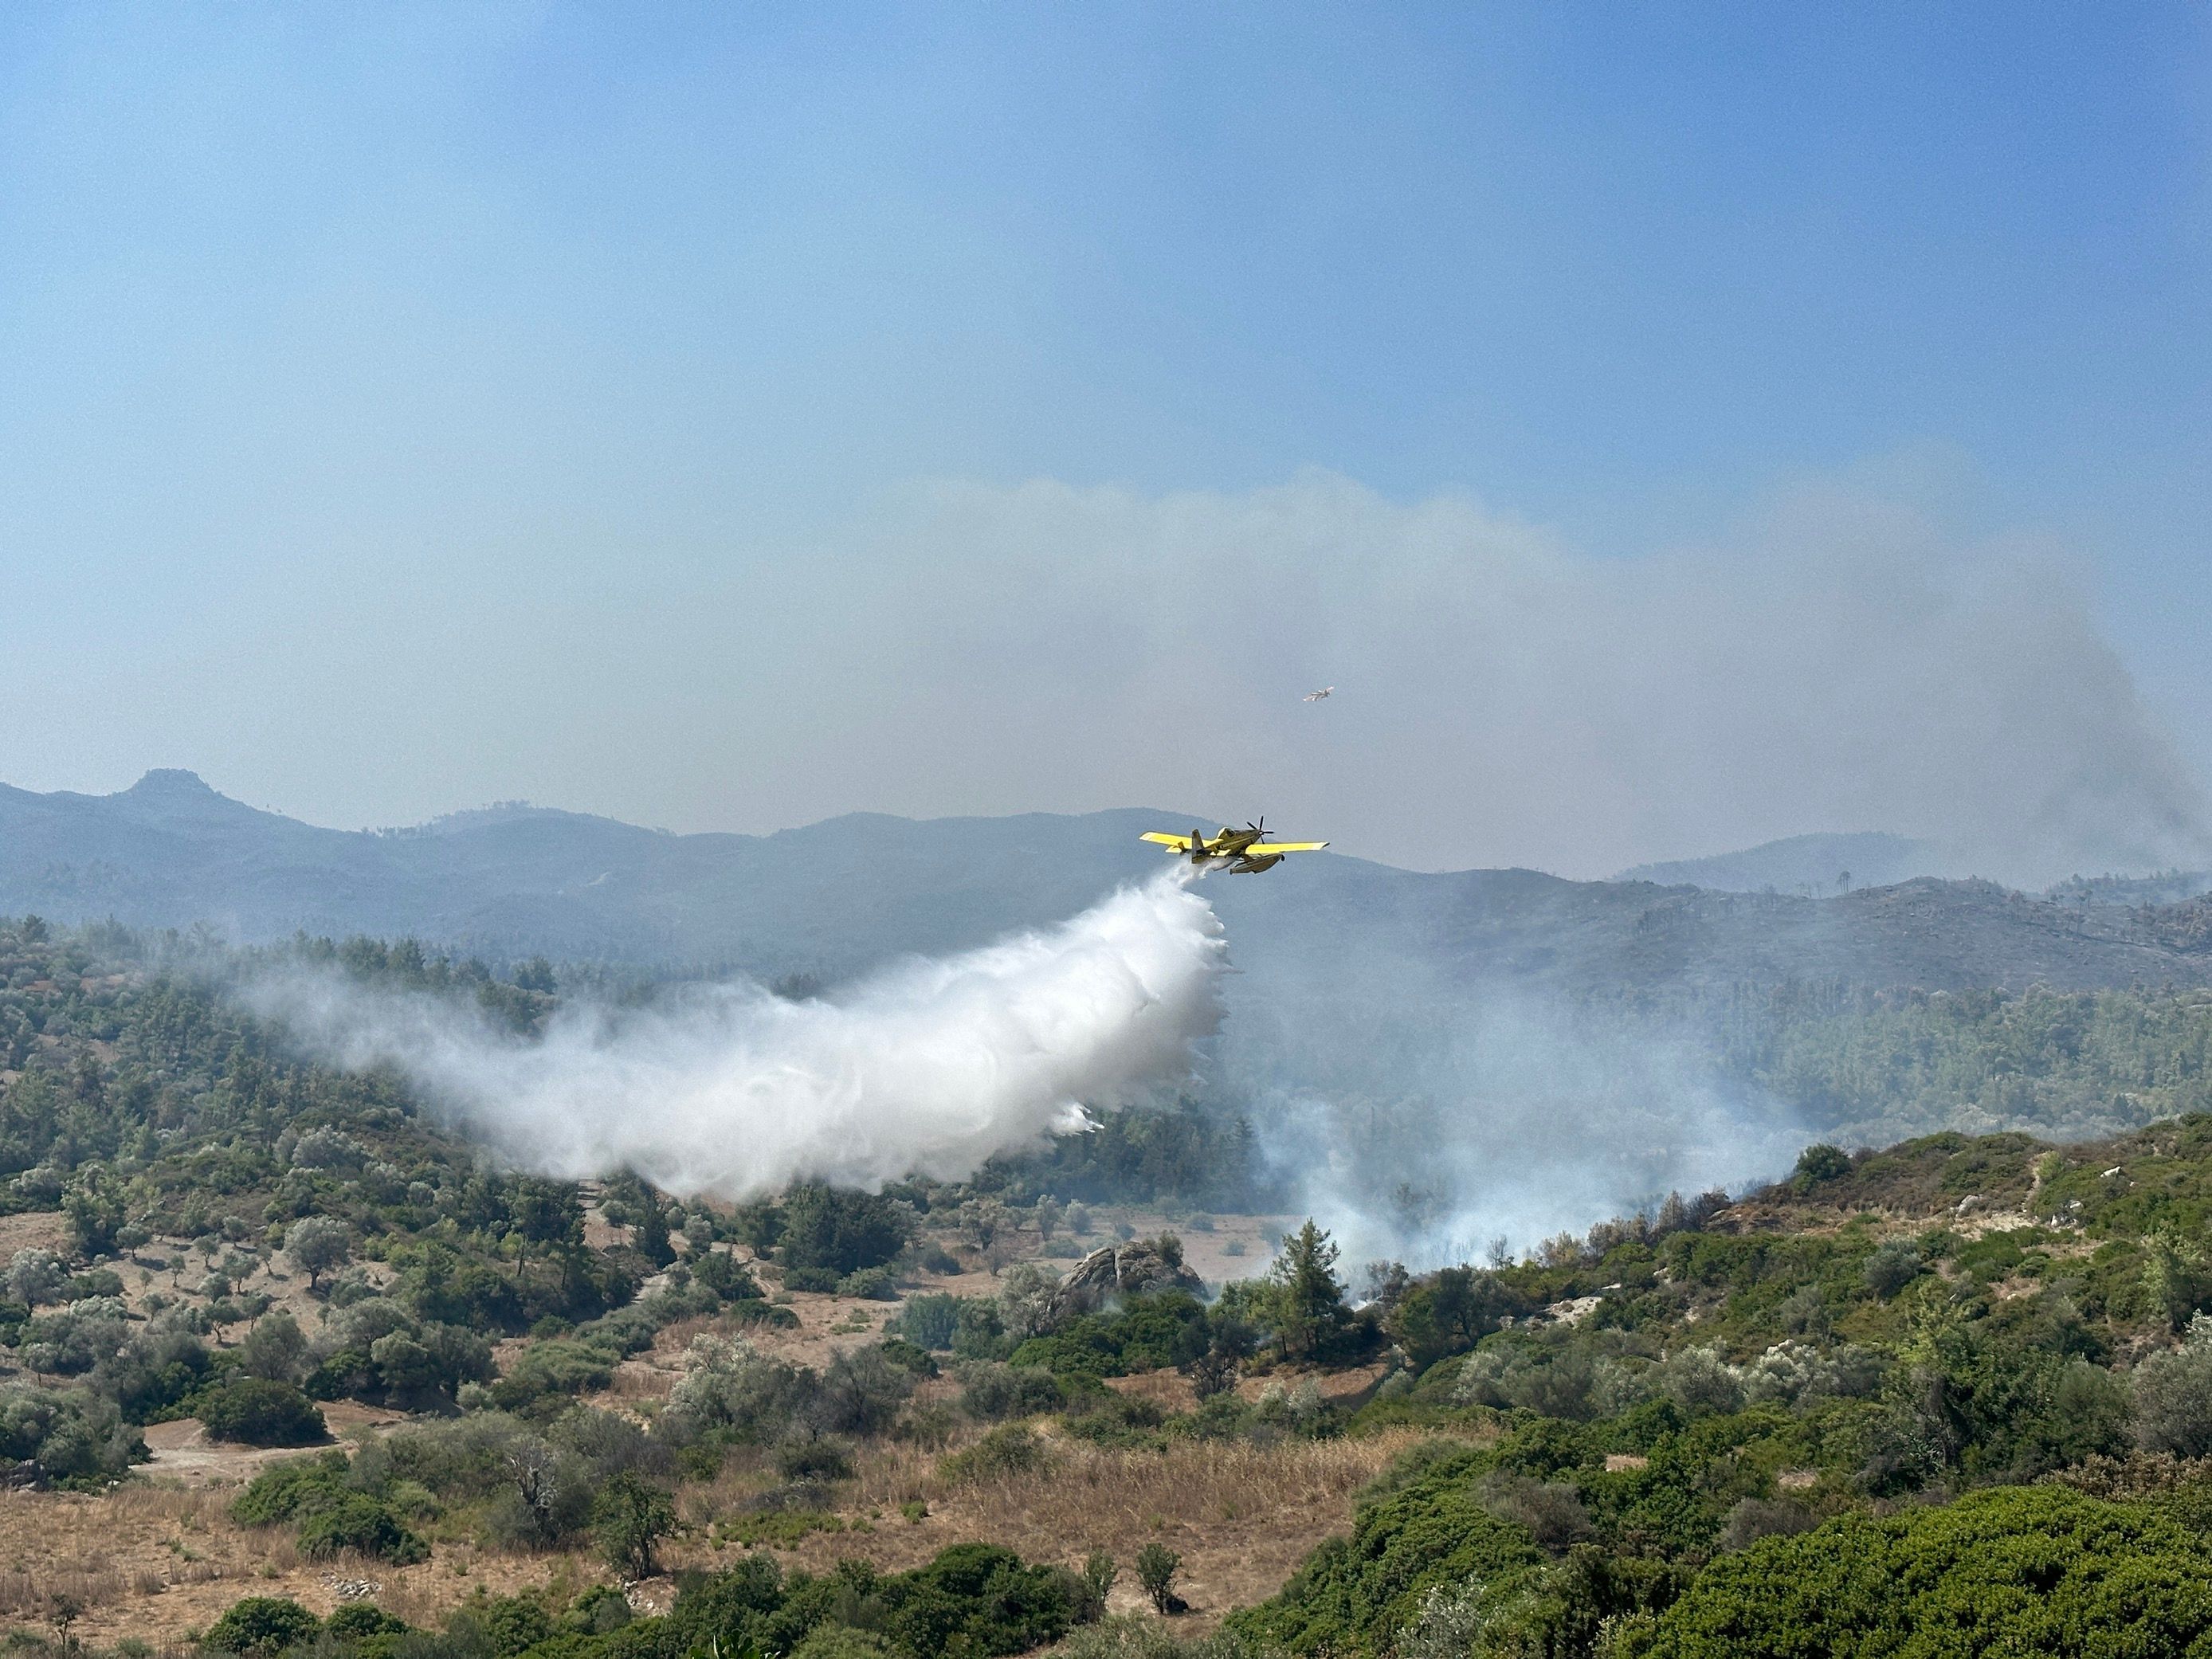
x=1887, y=1065
x=1201, y=1152
x=1870, y=1066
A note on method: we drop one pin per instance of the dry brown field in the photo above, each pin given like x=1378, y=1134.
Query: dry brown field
x=158, y=1558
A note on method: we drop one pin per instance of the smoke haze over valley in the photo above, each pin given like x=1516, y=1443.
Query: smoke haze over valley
x=1838, y=661
x=1427, y=1060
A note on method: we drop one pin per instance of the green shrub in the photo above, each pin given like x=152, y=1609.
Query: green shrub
x=94, y=1281
x=357, y=1620
x=1819, y=1163
x=1434, y=1531
x=870, y=1284
x=561, y=1366
x=973, y=1600
x=759, y=1223
x=979, y=1334
x=623, y=1332
x=724, y=1275
x=860, y=1392
x=2037, y=1569
x=285, y=1491
x=842, y=1231
x=66, y=1436
x=781, y=1529
x=2172, y=1395
x=511, y=1624
x=344, y=1373
x=332, y=1514
x=629, y=1518
x=747, y=1314
x=1891, y=1267
x=467, y=1457
x=990, y=1392
x=1099, y=1573
x=814, y=1281
x=1157, y=1566
x=814, y=1459
x=907, y=1357
x=1010, y=1448
x=980, y=1599
x=356, y=1521
x=258, y=1411
x=928, y=1321
x=598, y=1610
x=261, y=1626
x=1147, y=1334
x=1140, y=1636
x=839, y=1642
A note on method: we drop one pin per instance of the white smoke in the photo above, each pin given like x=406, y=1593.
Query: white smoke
x=929, y=1066
x=1838, y=663
x=1515, y=1120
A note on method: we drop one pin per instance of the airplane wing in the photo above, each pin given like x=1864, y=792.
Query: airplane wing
x=1286, y=847
x=1181, y=843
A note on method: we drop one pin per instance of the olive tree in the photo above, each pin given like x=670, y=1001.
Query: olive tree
x=317, y=1245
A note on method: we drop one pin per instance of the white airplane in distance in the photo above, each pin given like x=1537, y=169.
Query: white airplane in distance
x=1315, y=696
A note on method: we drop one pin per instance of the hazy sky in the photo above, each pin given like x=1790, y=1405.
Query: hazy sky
x=1668, y=426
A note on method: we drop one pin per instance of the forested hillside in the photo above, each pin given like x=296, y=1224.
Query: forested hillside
x=1879, y=1065
x=571, y=1421
x=1467, y=1036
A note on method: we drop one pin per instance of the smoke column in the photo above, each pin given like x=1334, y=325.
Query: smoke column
x=928, y=1066
x=1510, y=1117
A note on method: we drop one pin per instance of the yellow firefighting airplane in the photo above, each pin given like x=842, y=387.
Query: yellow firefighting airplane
x=1241, y=851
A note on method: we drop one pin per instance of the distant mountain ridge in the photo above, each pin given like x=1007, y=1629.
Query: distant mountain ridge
x=1817, y=865
x=171, y=852
x=1824, y=866
x=834, y=898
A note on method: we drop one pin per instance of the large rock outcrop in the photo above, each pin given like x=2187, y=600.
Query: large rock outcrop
x=1122, y=1270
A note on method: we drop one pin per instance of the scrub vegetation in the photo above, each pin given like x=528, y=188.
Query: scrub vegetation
x=291, y=1368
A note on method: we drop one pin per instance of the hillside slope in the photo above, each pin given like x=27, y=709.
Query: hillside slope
x=1979, y=1364
x=1816, y=864
x=834, y=898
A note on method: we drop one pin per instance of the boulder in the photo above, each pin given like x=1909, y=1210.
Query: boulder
x=1121, y=1270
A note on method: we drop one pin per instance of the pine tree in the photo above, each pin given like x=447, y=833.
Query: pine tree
x=1310, y=1309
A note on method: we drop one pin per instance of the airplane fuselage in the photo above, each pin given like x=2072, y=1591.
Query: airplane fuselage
x=1243, y=852
x=1229, y=844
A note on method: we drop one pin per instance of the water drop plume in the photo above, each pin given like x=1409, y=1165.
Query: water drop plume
x=928, y=1066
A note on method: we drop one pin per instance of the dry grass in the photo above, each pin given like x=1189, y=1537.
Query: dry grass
x=1242, y=1516
x=1092, y=1497
x=155, y=1561
x=34, y=1594
x=161, y=1558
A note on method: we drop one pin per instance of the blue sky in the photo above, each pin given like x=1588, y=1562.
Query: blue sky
x=378, y=385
